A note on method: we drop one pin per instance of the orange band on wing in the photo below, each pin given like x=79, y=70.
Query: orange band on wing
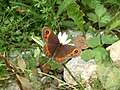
x=74, y=53
x=46, y=51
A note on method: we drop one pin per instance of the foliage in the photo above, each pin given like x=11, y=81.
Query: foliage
x=76, y=14
x=96, y=43
x=19, y=20
x=108, y=75
x=115, y=22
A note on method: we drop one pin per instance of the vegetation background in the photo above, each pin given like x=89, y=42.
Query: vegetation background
x=22, y=19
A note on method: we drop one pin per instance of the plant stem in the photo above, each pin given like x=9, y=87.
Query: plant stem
x=58, y=80
x=80, y=85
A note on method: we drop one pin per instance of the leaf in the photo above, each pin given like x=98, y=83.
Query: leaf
x=37, y=52
x=86, y=2
x=97, y=55
x=54, y=65
x=87, y=55
x=6, y=21
x=113, y=2
x=80, y=42
x=114, y=25
x=104, y=20
x=101, y=17
x=4, y=74
x=21, y=64
x=92, y=17
x=93, y=42
x=100, y=53
x=25, y=83
x=69, y=23
x=108, y=75
x=94, y=3
x=45, y=67
x=76, y=14
x=11, y=63
x=34, y=72
x=109, y=39
x=1, y=64
x=115, y=22
x=38, y=40
x=64, y=6
x=100, y=11
x=2, y=42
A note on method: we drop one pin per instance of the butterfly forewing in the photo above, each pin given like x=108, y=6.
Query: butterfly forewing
x=49, y=36
x=64, y=52
x=51, y=40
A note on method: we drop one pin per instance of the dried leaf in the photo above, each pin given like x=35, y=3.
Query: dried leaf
x=11, y=62
x=35, y=72
x=21, y=64
x=25, y=83
x=80, y=42
x=21, y=10
x=45, y=67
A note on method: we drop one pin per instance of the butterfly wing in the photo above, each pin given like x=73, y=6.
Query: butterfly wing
x=64, y=52
x=49, y=37
x=49, y=49
x=51, y=40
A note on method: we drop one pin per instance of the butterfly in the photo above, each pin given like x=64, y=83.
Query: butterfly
x=54, y=49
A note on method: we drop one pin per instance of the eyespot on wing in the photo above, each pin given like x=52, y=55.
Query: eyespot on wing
x=46, y=33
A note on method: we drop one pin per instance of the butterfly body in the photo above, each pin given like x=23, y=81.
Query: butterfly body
x=56, y=50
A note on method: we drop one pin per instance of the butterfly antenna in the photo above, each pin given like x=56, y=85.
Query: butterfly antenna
x=45, y=63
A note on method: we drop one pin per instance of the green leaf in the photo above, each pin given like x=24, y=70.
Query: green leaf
x=37, y=52
x=93, y=42
x=6, y=21
x=113, y=2
x=54, y=65
x=94, y=3
x=115, y=22
x=76, y=14
x=92, y=17
x=109, y=39
x=69, y=23
x=104, y=20
x=86, y=2
x=100, y=53
x=2, y=42
x=1, y=64
x=100, y=10
x=108, y=75
x=3, y=71
x=64, y=6
x=87, y=55
x=114, y=25
x=97, y=55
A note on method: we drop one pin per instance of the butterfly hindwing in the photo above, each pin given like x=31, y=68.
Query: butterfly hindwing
x=49, y=49
x=64, y=52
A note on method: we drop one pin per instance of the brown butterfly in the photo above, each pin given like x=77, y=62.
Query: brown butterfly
x=56, y=50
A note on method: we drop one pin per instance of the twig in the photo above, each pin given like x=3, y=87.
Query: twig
x=13, y=70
